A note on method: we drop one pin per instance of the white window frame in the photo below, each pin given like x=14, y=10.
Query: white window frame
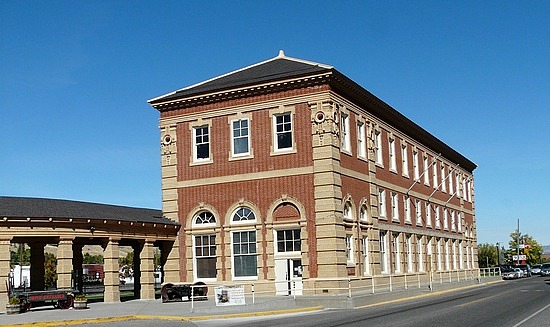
x=451, y=188
x=453, y=244
x=366, y=259
x=345, y=132
x=275, y=147
x=447, y=259
x=393, y=159
x=428, y=214
x=460, y=255
x=445, y=219
x=196, y=144
x=201, y=224
x=382, y=210
x=394, y=206
x=404, y=160
x=234, y=138
x=245, y=221
x=350, y=257
x=364, y=213
x=276, y=241
x=409, y=253
x=347, y=211
x=453, y=220
x=384, y=258
x=426, y=170
x=418, y=213
x=397, y=252
x=419, y=245
x=378, y=147
x=443, y=179
x=437, y=218
x=233, y=256
x=459, y=222
x=434, y=171
x=407, y=205
x=361, y=144
x=438, y=254
x=416, y=168
x=196, y=258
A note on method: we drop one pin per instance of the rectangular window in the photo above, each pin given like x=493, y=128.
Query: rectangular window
x=447, y=261
x=453, y=245
x=410, y=267
x=349, y=249
x=451, y=183
x=443, y=179
x=453, y=220
x=205, y=256
x=404, y=160
x=202, y=143
x=426, y=171
x=468, y=257
x=458, y=195
x=240, y=137
x=366, y=262
x=394, y=207
x=438, y=253
x=419, y=245
x=434, y=170
x=460, y=256
x=430, y=260
x=407, y=209
x=428, y=215
x=416, y=169
x=418, y=213
x=289, y=240
x=393, y=160
x=459, y=222
x=397, y=253
x=346, y=143
x=244, y=254
x=361, y=144
x=437, y=218
x=384, y=252
x=283, y=131
x=445, y=219
x=378, y=145
x=382, y=203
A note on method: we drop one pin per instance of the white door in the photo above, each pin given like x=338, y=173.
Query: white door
x=288, y=275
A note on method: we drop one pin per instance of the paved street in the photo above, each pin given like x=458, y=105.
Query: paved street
x=524, y=302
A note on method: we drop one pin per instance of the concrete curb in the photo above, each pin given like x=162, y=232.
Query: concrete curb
x=172, y=318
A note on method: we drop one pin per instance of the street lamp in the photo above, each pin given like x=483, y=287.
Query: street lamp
x=498, y=254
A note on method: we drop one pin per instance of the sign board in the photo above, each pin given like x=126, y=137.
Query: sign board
x=520, y=257
x=229, y=295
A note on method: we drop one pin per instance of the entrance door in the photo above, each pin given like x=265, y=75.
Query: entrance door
x=288, y=275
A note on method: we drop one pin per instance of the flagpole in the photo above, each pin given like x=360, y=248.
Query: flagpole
x=517, y=243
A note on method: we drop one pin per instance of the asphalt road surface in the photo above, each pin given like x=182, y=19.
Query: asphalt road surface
x=524, y=302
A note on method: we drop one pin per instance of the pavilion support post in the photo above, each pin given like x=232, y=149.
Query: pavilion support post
x=111, y=280
x=64, y=263
x=78, y=260
x=4, y=272
x=147, y=272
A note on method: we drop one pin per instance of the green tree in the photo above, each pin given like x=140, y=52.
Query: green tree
x=487, y=254
x=126, y=265
x=50, y=274
x=20, y=255
x=92, y=259
x=533, y=250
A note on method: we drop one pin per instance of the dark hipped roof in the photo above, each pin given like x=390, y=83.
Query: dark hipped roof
x=277, y=68
x=21, y=207
x=283, y=68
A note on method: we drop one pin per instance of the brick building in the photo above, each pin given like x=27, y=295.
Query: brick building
x=287, y=170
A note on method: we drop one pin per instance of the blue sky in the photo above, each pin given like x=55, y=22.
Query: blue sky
x=75, y=77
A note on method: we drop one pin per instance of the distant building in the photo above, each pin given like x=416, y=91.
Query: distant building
x=287, y=170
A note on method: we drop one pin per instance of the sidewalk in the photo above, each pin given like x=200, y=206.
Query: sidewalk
x=207, y=309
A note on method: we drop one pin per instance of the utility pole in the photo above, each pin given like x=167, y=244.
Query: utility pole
x=517, y=243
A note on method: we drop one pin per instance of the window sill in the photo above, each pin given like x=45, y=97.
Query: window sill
x=283, y=152
x=199, y=163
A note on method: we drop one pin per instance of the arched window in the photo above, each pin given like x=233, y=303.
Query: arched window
x=363, y=213
x=347, y=211
x=243, y=214
x=204, y=218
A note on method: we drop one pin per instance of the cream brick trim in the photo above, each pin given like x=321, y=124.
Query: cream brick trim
x=416, y=231
x=246, y=177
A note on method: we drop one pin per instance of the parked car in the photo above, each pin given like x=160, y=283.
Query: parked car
x=545, y=270
x=514, y=273
x=535, y=269
x=526, y=270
